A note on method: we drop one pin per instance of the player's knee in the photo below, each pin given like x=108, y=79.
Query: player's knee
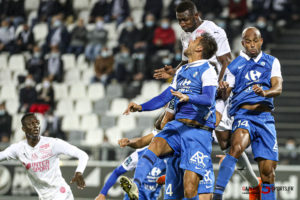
x=236, y=150
x=190, y=190
x=268, y=174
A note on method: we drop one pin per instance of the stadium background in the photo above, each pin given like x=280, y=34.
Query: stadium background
x=87, y=109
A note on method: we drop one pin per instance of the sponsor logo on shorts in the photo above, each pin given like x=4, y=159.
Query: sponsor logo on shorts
x=198, y=159
x=206, y=179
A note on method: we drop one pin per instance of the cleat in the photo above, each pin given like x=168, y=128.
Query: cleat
x=129, y=187
x=161, y=180
x=255, y=193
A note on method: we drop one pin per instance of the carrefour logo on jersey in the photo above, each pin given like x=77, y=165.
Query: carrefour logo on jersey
x=253, y=76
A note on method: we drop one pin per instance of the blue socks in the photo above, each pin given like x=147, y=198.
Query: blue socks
x=268, y=192
x=226, y=170
x=144, y=166
x=193, y=198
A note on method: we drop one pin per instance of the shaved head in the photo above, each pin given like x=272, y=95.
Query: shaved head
x=251, y=30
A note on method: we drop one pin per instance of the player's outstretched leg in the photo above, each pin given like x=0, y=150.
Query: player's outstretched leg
x=267, y=173
x=129, y=187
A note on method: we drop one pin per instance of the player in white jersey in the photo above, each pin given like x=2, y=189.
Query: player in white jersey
x=39, y=156
x=193, y=26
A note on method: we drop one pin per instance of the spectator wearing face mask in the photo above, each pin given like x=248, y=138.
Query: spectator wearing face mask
x=140, y=68
x=129, y=34
x=28, y=95
x=45, y=98
x=265, y=30
x=36, y=64
x=146, y=34
x=58, y=35
x=164, y=36
x=25, y=39
x=100, y=9
x=97, y=38
x=103, y=67
x=119, y=10
x=5, y=124
x=7, y=37
x=238, y=9
x=290, y=155
x=53, y=126
x=54, y=66
x=123, y=66
x=78, y=38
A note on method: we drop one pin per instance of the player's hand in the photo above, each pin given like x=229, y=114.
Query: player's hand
x=123, y=142
x=100, y=197
x=258, y=90
x=221, y=158
x=132, y=107
x=78, y=178
x=180, y=96
x=223, y=85
x=164, y=73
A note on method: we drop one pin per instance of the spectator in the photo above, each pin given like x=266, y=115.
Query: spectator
x=97, y=38
x=28, y=95
x=290, y=155
x=25, y=39
x=36, y=64
x=103, y=67
x=15, y=11
x=164, y=36
x=171, y=9
x=146, y=34
x=53, y=126
x=7, y=37
x=139, y=68
x=123, y=65
x=259, y=8
x=154, y=7
x=48, y=8
x=57, y=36
x=238, y=9
x=119, y=10
x=129, y=35
x=281, y=10
x=100, y=9
x=54, y=66
x=264, y=28
x=68, y=11
x=45, y=98
x=78, y=38
x=5, y=124
x=207, y=7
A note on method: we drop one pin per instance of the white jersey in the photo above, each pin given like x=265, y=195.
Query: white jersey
x=217, y=32
x=42, y=164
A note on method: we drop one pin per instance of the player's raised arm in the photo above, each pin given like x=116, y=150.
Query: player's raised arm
x=137, y=143
x=9, y=153
x=62, y=147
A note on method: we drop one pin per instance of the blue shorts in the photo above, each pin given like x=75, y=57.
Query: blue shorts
x=193, y=145
x=261, y=127
x=174, y=180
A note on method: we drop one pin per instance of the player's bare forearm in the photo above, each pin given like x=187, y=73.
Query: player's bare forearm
x=166, y=118
x=274, y=91
x=225, y=60
x=140, y=142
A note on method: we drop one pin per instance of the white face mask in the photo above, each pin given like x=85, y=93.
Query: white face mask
x=105, y=53
x=57, y=23
x=100, y=25
x=29, y=82
x=2, y=112
x=290, y=146
x=46, y=84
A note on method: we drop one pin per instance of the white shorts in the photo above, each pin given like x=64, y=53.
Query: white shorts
x=62, y=193
x=226, y=121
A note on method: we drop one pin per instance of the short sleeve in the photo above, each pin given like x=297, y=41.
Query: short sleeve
x=223, y=44
x=276, y=69
x=131, y=161
x=230, y=78
x=209, y=77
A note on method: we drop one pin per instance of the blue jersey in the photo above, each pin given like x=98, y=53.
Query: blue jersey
x=190, y=79
x=245, y=73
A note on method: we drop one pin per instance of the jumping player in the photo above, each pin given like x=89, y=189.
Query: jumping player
x=254, y=78
x=39, y=156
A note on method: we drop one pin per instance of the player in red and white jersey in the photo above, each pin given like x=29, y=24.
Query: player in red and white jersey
x=40, y=157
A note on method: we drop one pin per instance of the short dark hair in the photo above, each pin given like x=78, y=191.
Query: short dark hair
x=186, y=5
x=209, y=45
x=25, y=116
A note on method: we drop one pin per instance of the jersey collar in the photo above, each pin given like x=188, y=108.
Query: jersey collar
x=244, y=55
x=196, y=63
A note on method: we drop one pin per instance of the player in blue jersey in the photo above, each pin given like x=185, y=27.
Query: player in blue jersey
x=255, y=79
x=190, y=134
x=150, y=189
